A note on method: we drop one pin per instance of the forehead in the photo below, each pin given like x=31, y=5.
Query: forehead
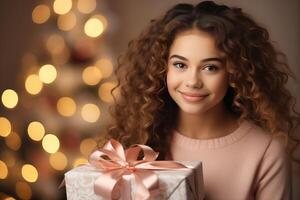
x=193, y=43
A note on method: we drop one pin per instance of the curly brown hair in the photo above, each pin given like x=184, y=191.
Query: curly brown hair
x=144, y=112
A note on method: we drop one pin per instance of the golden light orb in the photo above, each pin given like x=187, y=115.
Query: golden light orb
x=58, y=161
x=5, y=127
x=66, y=106
x=13, y=141
x=47, y=73
x=23, y=190
x=3, y=170
x=66, y=22
x=87, y=146
x=102, y=19
x=36, y=131
x=80, y=161
x=50, y=143
x=90, y=113
x=40, y=14
x=62, y=7
x=104, y=92
x=93, y=27
x=9, y=98
x=91, y=75
x=29, y=173
x=33, y=84
x=86, y=6
x=105, y=66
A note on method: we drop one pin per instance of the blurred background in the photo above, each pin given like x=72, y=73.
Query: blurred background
x=56, y=73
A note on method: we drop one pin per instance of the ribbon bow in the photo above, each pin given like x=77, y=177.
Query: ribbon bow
x=122, y=162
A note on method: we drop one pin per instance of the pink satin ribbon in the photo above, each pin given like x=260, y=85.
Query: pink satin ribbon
x=119, y=162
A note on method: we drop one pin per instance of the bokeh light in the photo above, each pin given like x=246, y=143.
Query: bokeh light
x=3, y=170
x=9, y=198
x=40, y=14
x=93, y=27
x=104, y=92
x=91, y=75
x=62, y=6
x=90, y=112
x=58, y=161
x=79, y=161
x=33, y=84
x=66, y=22
x=105, y=66
x=13, y=141
x=50, y=143
x=86, y=6
x=66, y=106
x=102, y=19
x=29, y=173
x=36, y=131
x=23, y=190
x=87, y=146
x=47, y=73
x=5, y=127
x=9, y=98
x=55, y=44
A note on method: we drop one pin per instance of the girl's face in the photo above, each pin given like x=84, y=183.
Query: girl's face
x=197, y=79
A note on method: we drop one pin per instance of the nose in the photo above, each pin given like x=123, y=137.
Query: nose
x=193, y=80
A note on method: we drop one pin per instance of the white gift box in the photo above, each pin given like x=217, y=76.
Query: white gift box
x=183, y=184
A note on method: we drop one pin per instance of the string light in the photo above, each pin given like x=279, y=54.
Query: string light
x=29, y=173
x=90, y=113
x=87, y=146
x=5, y=127
x=62, y=6
x=13, y=141
x=66, y=106
x=40, y=14
x=47, y=73
x=91, y=75
x=3, y=170
x=66, y=22
x=50, y=143
x=104, y=92
x=9, y=98
x=105, y=66
x=79, y=161
x=86, y=6
x=23, y=190
x=93, y=27
x=33, y=84
x=58, y=161
x=36, y=131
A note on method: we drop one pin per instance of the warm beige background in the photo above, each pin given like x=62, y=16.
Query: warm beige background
x=282, y=18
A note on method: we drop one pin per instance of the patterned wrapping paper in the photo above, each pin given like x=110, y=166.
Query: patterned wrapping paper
x=183, y=184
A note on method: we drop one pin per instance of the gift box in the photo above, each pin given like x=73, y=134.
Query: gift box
x=124, y=177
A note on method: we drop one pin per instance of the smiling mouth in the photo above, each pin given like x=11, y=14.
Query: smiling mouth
x=193, y=97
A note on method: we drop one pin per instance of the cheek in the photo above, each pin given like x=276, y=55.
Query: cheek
x=218, y=85
x=171, y=80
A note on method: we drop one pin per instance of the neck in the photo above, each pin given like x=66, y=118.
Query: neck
x=217, y=122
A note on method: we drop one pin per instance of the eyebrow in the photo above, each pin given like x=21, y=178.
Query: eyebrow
x=218, y=59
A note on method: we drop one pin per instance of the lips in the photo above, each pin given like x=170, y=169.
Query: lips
x=192, y=97
x=193, y=94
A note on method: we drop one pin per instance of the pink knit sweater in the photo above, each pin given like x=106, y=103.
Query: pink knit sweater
x=247, y=164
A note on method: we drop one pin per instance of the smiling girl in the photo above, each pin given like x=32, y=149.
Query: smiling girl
x=205, y=83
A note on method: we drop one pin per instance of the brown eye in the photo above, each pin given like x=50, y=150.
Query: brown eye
x=211, y=68
x=179, y=65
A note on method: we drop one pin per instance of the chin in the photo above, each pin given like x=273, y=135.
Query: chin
x=192, y=110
